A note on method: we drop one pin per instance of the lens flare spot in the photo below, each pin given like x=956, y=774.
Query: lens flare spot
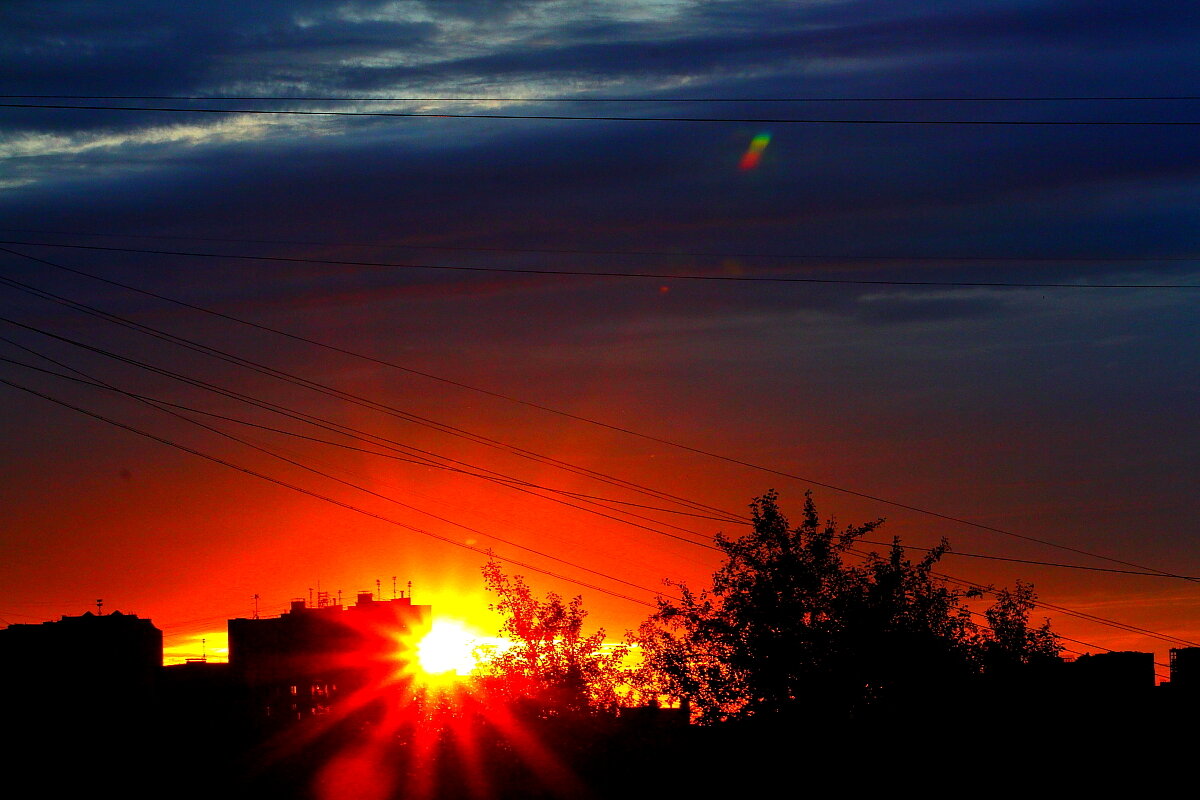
x=754, y=153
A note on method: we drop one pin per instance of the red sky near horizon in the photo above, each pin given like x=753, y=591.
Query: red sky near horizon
x=187, y=542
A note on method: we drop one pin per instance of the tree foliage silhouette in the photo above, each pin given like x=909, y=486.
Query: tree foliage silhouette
x=552, y=664
x=791, y=624
x=1011, y=643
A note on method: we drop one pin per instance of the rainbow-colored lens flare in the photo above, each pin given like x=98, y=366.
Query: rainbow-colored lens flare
x=754, y=152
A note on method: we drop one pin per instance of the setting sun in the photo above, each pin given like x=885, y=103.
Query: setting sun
x=449, y=647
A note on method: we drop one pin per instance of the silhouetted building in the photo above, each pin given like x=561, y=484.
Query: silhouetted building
x=87, y=668
x=308, y=659
x=1115, y=672
x=1185, y=669
x=198, y=694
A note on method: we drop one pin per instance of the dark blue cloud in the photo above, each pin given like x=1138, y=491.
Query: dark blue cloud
x=905, y=308
x=821, y=189
x=143, y=47
x=150, y=48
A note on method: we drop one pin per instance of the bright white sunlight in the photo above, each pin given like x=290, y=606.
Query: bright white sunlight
x=449, y=649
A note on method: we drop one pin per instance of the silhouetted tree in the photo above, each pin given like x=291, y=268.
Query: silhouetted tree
x=1011, y=642
x=791, y=625
x=552, y=664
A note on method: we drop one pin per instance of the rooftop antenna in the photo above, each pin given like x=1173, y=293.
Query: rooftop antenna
x=204, y=649
x=256, y=605
x=310, y=597
x=339, y=597
x=410, y=590
x=393, y=587
x=378, y=591
x=100, y=607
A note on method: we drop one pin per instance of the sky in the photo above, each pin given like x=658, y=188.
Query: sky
x=862, y=309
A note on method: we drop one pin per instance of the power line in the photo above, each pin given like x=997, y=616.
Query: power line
x=868, y=557
x=592, y=99
x=485, y=474
x=176, y=339
x=293, y=462
x=658, y=276
x=279, y=482
x=352, y=398
x=1069, y=612
x=191, y=409
x=493, y=477
x=660, y=440
x=871, y=556
x=1085, y=644
x=574, y=251
x=1033, y=562
x=285, y=484
x=1079, y=614
x=607, y=118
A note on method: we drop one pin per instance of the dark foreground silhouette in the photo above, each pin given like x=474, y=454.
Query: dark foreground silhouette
x=203, y=745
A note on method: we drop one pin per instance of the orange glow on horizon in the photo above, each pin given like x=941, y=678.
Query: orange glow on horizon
x=211, y=646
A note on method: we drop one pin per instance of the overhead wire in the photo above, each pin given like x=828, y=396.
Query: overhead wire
x=1066, y=611
x=643, y=99
x=1034, y=562
x=657, y=276
x=714, y=254
x=495, y=478
x=1052, y=606
x=1091, y=646
x=293, y=112
x=1069, y=612
x=353, y=398
x=365, y=490
x=631, y=432
x=487, y=475
x=986, y=589
x=1180, y=576
x=270, y=429
x=949, y=578
x=484, y=474
x=507, y=559
x=319, y=496
x=869, y=122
